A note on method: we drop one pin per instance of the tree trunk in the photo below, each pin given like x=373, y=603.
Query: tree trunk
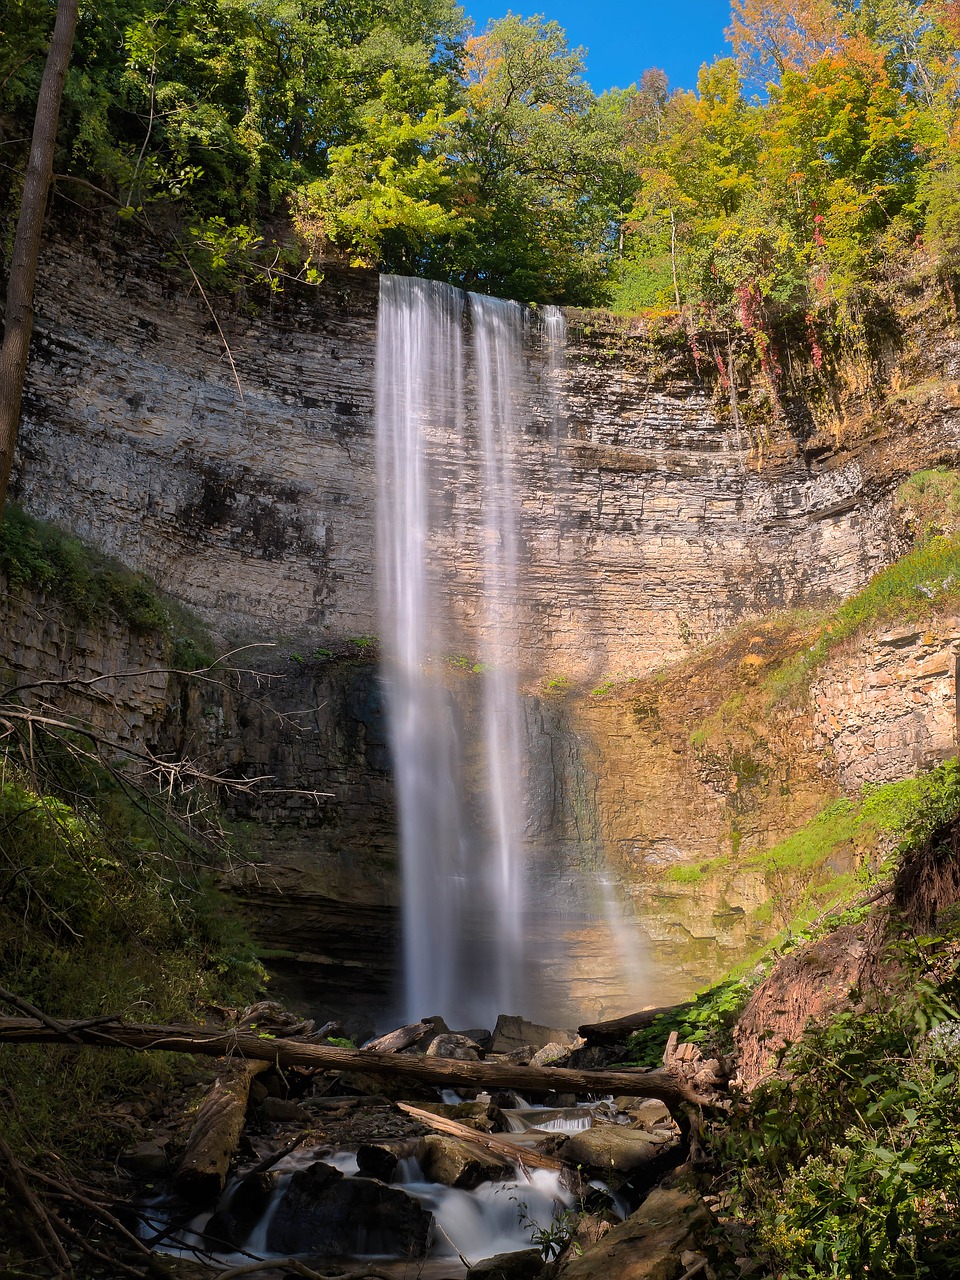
x=670, y=1088
x=18, y=317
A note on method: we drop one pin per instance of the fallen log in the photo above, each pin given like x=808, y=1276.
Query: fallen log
x=616, y=1029
x=202, y=1172
x=402, y=1038
x=665, y=1085
x=499, y=1146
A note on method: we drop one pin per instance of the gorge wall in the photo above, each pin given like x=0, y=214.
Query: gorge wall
x=258, y=511
x=657, y=510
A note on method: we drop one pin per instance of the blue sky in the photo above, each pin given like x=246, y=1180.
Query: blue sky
x=624, y=37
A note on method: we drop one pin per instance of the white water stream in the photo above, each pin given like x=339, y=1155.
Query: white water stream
x=495, y=1217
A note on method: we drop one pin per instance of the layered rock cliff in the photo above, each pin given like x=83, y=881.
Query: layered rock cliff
x=240, y=473
x=659, y=507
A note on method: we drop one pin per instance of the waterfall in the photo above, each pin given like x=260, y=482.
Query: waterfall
x=491, y=923
x=419, y=386
x=446, y=421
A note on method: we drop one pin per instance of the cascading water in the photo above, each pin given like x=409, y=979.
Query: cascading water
x=497, y=337
x=463, y=879
x=418, y=386
x=451, y=382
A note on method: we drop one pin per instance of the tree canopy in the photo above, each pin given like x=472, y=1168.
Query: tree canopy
x=266, y=136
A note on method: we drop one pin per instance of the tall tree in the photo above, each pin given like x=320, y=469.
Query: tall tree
x=769, y=36
x=18, y=318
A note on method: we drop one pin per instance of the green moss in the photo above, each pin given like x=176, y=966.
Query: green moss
x=92, y=587
x=905, y=591
x=929, y=502
x=685, y=874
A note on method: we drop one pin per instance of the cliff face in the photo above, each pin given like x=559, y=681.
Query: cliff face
x=659, y=525
x=675, y=509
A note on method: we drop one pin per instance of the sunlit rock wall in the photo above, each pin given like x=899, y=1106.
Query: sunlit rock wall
x=648, y=524
x=888, y=707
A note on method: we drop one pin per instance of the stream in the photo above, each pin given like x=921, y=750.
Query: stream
x=466, y=1226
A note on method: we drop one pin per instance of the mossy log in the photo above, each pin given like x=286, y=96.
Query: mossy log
x=668, y=1086
x=202, y=1173
x=617, y=1029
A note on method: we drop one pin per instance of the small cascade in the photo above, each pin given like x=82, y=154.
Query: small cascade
x=495, y=1217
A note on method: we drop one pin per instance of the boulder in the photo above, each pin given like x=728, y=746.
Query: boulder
x=145, y=1160
x=376, y=1160
x=610, y=1148
x=481, y=1115
x=449, y=1045
x=481, y=1035
x=285, y=1111
x=646, y=1112
x=323, y=1213
x=513, y=1032
x=649, y=1245
x=524, y=1264
x=552, y=1054
x=459, y=1164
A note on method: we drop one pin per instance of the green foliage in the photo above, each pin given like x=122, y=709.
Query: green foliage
x=105, y=907
x=886, y=824
x=707, y=1021
x=929, y=503
x=93, y=587
x=277, y=132
x=845, y=1164
x=558, y=684
x=851, y=1167
x=393, y=185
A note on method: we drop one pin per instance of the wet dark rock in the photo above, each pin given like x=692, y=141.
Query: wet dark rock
x=145, y=1160
x=594, y=1057
x=458, y=1164
x=326, y=1214
x=524, y=1264
x=378, y=1160
x=480, y=1115
x=284, y=1111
